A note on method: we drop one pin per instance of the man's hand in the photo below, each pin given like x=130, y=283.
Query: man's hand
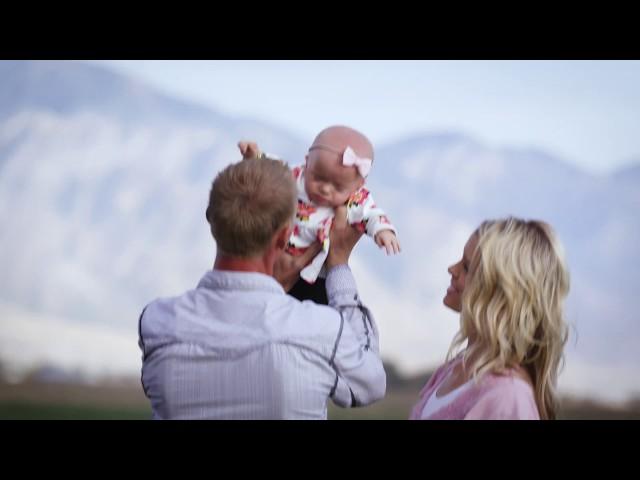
x=343, y=238
x=287, y=268
x=249, y=149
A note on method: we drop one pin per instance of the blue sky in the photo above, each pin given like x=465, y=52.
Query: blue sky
x=587, y=112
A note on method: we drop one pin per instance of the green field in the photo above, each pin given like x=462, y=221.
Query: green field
x=35, y=401
x=35, y=411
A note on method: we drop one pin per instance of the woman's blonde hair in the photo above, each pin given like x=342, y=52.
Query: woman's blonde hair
x=512, y=305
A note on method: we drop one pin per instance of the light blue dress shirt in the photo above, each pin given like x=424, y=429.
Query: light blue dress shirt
x=239, y=347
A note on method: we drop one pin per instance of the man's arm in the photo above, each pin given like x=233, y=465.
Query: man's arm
x=287, y=268
x=360, y=376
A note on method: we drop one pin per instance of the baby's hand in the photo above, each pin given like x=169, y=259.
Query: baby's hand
x=249, y=149
x=388, y=240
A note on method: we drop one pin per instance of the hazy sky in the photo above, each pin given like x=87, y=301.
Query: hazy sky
x=587, y=112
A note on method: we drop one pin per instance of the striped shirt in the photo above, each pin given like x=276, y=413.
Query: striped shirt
x=238, y=347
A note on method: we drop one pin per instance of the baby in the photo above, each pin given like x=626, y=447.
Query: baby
x=337, y=164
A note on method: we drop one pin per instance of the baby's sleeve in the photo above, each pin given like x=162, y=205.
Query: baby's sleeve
x=365, y=215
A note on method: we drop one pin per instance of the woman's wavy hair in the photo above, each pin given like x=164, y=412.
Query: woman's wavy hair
x=512, y=305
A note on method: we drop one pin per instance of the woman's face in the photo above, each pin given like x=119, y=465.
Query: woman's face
x=459, y=274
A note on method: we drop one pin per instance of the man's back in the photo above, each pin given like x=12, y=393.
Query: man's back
x=238, y=347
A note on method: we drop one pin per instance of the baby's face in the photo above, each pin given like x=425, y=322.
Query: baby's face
x=329, y=183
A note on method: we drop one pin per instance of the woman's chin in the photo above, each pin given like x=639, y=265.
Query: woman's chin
x=452, y=303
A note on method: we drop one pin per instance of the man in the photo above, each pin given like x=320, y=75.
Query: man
x=237, y=346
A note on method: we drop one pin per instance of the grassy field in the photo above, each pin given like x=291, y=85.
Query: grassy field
x=48, y=401
x=36, y=411
x=38, y=401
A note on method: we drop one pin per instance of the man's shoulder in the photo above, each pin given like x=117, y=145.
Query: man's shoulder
x=168, y=301
x=164, y=308
x=310, y=318
x=312, y=310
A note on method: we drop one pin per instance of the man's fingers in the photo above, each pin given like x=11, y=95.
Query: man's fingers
x=340, y=218
x=304, y=259
x=248, y=149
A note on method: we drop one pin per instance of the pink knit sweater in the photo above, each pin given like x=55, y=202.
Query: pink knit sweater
x=495, y=397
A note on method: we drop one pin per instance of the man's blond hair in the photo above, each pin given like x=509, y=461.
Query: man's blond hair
x=249, y=201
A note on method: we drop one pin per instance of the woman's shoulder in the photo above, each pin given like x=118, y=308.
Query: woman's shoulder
x=505, y=395
x=439, y=373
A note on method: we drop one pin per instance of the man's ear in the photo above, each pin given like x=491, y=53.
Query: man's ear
x=282, y=236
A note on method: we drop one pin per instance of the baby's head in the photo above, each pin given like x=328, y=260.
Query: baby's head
x=328, y=181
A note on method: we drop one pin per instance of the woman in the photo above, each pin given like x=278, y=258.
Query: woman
x=509, y=288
